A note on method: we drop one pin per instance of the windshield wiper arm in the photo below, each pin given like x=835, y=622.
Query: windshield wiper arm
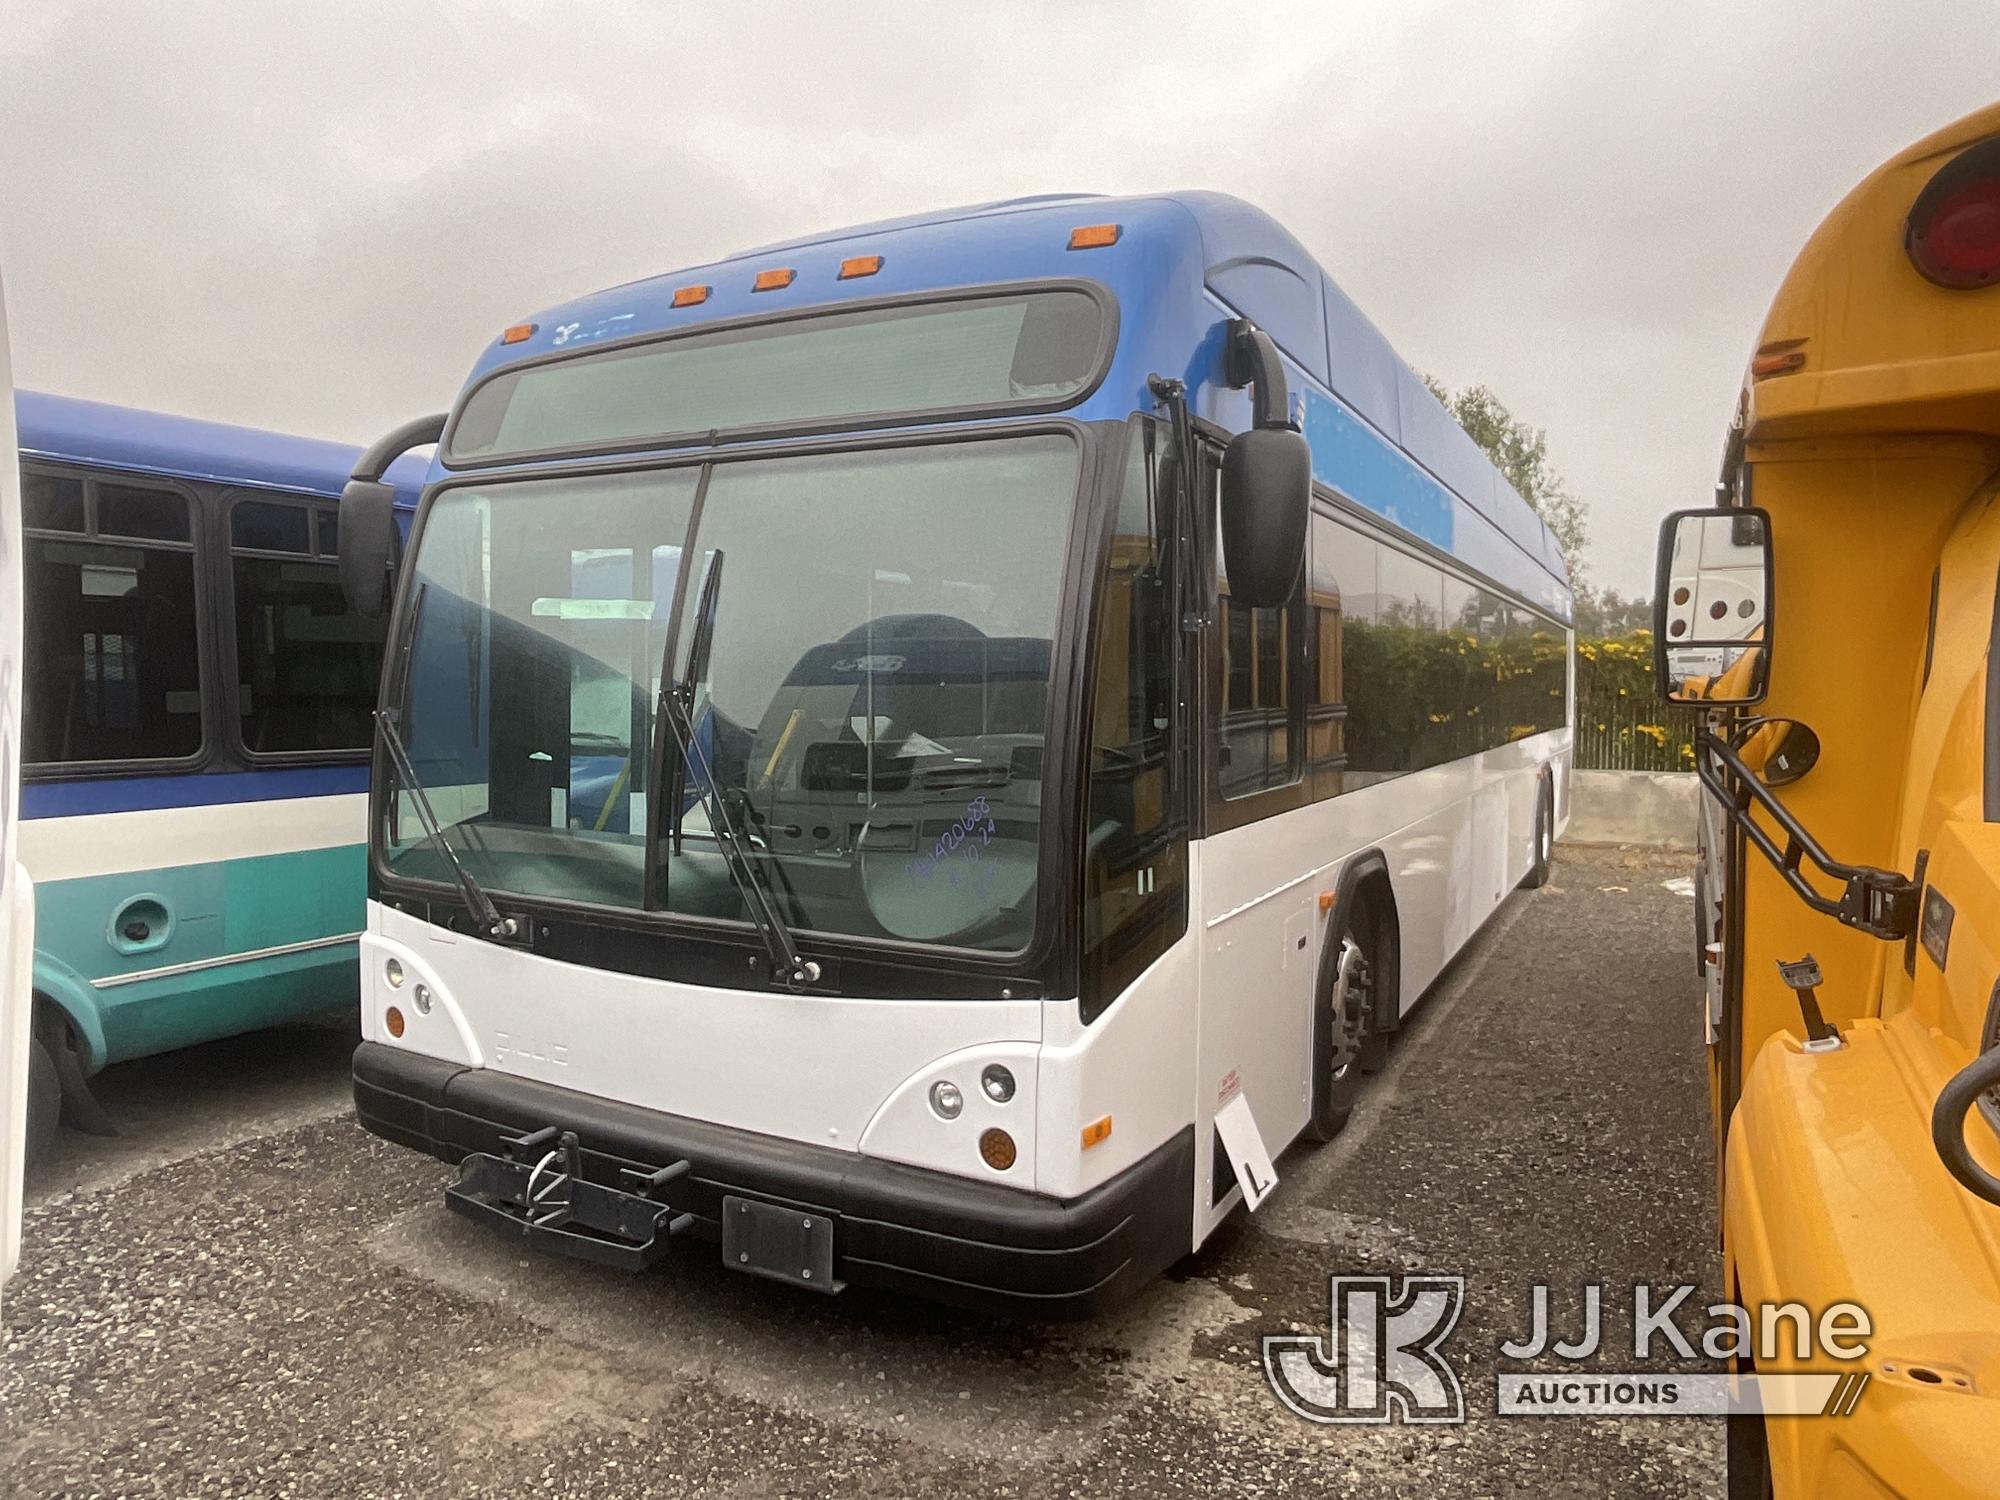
x=476, y=900
x=674, y=700
x=784, y=954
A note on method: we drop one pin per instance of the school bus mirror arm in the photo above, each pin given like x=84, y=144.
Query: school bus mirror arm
x=1881, y=903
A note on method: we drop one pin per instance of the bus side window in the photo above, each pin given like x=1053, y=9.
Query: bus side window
x=306, y=666
x=112, y=659
x=1135, y=831
x=1263, y=660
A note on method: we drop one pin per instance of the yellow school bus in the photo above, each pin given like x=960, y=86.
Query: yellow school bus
x=1834, y=618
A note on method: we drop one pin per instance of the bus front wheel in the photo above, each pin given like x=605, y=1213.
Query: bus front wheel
x=44, y=1100
x=1342, y=1021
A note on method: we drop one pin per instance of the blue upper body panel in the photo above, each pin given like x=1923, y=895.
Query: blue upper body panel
x=67, y=430
x=1182, y=266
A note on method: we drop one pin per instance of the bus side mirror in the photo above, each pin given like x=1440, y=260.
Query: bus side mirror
x=367, y=543
x=1266, y=480
x=1712, y=608
x=368, y=537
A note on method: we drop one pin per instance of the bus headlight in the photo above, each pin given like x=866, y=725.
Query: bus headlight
x=997, y=1082
x=422, y=996
x=393, y=972
x=946, y=1100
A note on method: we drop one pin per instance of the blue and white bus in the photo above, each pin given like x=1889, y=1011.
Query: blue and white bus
x=17, y=900
x=1072, y=691
x=197, y=712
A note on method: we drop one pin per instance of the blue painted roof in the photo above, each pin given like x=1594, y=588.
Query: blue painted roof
x=65, y=429
x=1183, y=264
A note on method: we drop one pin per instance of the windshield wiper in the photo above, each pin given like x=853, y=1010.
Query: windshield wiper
x=484, y=912
x=674, y=698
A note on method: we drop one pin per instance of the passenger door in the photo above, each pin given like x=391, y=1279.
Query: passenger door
x=1259, y=932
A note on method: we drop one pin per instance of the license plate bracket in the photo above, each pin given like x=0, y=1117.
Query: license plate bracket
x=792, y=1245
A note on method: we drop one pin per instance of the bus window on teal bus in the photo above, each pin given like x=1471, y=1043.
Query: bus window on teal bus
x=1134, y=831
x=112, y=644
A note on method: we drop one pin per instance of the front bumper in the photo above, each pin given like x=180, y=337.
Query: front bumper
x=897, y=1228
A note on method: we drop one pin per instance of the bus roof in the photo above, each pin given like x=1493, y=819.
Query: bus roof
x=67, y=430
x=1879, y=348
x=1182, y=263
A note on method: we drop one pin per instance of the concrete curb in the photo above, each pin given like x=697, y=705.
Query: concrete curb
x=1652, y=808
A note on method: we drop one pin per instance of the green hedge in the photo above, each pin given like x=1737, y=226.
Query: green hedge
x=1620, y=724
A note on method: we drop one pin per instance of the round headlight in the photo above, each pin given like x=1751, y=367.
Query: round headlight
x=998, y=1083
x=946, y=1099
x=393, y=972
x=422, y=995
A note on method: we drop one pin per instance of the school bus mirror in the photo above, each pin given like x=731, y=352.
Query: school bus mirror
x=1779, y=751
x=1712, y=607
x=1266, y=501
x=366, y=537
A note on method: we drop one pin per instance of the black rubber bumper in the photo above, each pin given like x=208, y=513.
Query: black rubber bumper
x=899, y=1229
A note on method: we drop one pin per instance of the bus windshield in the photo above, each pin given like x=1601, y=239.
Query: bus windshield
x=868, y=691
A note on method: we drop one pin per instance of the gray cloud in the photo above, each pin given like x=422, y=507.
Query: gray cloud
x=312, y=216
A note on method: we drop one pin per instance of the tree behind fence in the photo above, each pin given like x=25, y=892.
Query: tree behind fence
x=1621, y=725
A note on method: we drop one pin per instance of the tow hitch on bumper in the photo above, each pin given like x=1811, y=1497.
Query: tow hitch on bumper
x=538, y=1192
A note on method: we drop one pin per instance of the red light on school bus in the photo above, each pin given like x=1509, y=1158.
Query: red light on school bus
x=690, y=296
x=859, y=265
x=770, y=281
x=1953, y=233
x=1094, y=236
x=520, y=333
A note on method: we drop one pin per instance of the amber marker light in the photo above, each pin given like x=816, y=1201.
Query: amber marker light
x=996, y=1149
x=1094, y=236
x=690, y=296
x=1778, y=359
x=859, y=265
x=1097, y=1132
x=520, y=333
x=395, y=1020
x=1325, y=902
x=772, y=280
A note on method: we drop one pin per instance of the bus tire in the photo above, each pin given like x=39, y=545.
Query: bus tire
x=1343, y=1021
x=44, y=1100
x=1545, y=838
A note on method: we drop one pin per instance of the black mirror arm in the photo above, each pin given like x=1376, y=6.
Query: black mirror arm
x=1948, y=1118
x=376, y=458
x=1251, y=358
x=1881, y=903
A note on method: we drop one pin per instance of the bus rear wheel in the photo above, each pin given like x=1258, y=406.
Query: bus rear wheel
x=1341, y=1024
x=1545, y=838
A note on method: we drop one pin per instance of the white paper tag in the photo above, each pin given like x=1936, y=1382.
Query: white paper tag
x=1245, y=1146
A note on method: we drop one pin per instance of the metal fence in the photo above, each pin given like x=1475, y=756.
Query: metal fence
x=1621, y=725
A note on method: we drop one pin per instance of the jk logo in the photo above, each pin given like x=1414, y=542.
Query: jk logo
x=1382, y=1363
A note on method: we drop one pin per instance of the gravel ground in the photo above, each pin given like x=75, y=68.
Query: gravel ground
x=249, y=1296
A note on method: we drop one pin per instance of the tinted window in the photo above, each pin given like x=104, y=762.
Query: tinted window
x=135, y=511
x=329, y=532
x=112, y=668
x=270, y=526
x=1438, y=668
x=1135, y=883
x=306, y=666
x=1262, y=718
x=51, y=502
x=1038, y=347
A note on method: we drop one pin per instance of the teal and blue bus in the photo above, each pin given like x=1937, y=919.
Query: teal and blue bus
x=928, y=755
x=196, y=719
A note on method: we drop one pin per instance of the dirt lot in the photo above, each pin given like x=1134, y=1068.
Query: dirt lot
x=246, y=1295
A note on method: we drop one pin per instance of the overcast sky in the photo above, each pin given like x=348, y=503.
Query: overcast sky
x=312, y=216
